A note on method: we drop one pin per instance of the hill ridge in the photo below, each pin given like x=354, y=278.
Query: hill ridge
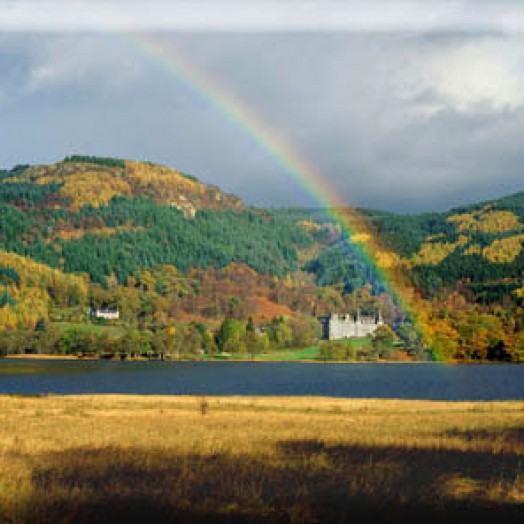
x=78, y=181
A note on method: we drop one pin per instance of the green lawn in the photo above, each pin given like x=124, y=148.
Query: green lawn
x=298, y=354
x=309, y=353
x=312, y=352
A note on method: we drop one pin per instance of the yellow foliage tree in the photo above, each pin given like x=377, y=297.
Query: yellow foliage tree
x=487, y=221
x=94, y=188
x=38, y=286
x=431, y=254
x=503, y=250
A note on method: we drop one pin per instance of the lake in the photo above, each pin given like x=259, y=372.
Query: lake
x=396, y=380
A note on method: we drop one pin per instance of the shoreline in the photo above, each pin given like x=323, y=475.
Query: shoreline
x=41, y=357
x=74, y=358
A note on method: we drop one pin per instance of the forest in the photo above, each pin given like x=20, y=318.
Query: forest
x=194, y=270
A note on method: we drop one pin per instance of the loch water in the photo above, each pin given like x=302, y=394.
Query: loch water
x=432, y=381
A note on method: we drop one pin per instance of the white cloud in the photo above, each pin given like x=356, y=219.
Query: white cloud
x=477, y=76
x=466, y=75
x=261, y=15
x=82, y=62
x=41, y=76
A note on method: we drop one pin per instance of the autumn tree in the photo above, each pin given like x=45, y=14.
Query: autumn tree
x=231, y=336
x=383, y=340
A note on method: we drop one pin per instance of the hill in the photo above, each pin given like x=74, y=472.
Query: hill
x=172, y=254
x=175, y=255
x=111, y=218
x=80, y=181
x=477, y=248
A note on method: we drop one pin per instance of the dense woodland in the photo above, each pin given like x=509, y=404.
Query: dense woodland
x=193, y=270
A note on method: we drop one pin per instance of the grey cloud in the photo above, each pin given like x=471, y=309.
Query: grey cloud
x=383, y=127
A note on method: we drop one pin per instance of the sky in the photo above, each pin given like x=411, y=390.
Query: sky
x=405, y=106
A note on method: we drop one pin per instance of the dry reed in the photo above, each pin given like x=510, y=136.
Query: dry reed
x=158, y=459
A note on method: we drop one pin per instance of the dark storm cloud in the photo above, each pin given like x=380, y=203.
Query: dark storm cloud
x=402, y=121
x=397, y=120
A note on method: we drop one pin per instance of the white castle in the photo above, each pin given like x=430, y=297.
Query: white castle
x=335, y=326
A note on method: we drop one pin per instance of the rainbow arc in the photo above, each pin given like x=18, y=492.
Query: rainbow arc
x=354, y=225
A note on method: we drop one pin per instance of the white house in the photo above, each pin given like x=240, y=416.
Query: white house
x=105, y=313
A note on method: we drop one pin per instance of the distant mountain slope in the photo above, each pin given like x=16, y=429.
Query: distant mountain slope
x=111, y=218
x=479, y=247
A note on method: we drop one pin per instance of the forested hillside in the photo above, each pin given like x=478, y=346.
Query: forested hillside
x=108, y=217
x=177, y=258
x=478, y=247
x=165, y=249
x=466, y=268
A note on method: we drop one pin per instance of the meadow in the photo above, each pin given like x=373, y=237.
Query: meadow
x=258, y=459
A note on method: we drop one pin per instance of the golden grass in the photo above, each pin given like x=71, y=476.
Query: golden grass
x=244, y=459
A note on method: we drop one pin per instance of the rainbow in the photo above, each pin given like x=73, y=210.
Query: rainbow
x=353, y=224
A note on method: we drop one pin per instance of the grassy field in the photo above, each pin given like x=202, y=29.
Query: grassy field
x=311, y=353
x=290, y=355
x=240, y=459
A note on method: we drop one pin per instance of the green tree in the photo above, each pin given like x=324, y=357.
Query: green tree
x=383, y=340
x=280, y=333
x=231, y=336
